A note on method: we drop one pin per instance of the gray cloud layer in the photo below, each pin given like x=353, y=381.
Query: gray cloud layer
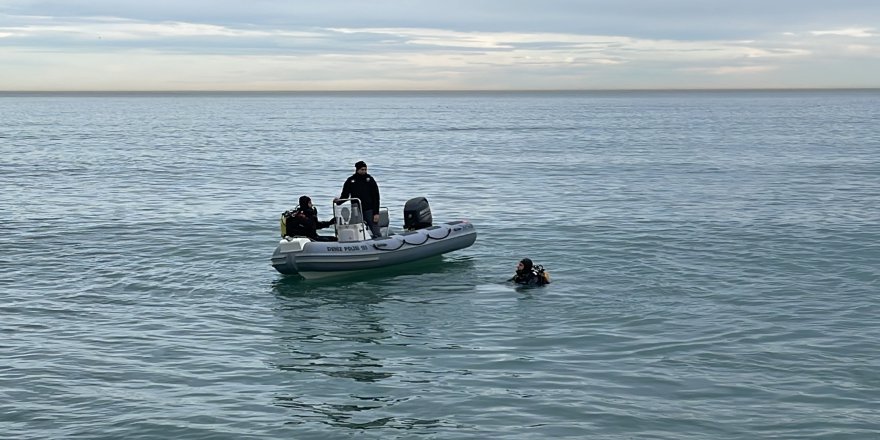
x=437, y=45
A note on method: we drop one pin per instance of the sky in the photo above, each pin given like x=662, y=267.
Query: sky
x=320, y=45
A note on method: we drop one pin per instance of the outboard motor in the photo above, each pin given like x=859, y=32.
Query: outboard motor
x=417, y=214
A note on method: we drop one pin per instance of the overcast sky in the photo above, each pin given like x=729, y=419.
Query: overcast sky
x=437, y=44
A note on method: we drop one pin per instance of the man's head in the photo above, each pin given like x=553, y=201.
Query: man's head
x=305, y=202
x=360, y=167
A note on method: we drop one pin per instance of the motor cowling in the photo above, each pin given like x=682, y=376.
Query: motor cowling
x=417, y=214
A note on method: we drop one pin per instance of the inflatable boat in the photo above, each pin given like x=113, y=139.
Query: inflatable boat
x=353, y=249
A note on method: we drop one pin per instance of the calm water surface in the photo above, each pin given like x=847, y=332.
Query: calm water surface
x=714, y=256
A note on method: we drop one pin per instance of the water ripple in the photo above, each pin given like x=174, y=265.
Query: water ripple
x=714, y=259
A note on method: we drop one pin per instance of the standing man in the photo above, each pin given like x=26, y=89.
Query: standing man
x=364, y=187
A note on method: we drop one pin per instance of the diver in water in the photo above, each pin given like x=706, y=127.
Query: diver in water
x=303, y=222
x=528, y=274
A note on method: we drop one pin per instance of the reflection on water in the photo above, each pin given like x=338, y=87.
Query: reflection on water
x=310, y=333
x=345, y=415
x=334, y=340
x=428, y=268
x=357, y=366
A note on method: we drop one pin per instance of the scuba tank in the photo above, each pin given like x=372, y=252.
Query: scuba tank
x=536, y=276
x=542, y=274
x=285, y=224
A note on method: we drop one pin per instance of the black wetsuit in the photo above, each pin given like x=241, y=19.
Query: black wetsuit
x=304, y=223
x=365, y=188
x=529, y=277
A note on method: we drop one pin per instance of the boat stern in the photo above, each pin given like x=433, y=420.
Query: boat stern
x=284, y=257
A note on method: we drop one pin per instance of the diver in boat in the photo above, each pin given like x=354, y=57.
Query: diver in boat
x=530, y=275
x=364, y=187
x=303, y=221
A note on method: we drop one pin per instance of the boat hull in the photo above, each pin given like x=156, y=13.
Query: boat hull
x=316, y=259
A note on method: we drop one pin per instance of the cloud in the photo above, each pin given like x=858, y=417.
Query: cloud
x=863, y=49
x=394, y=44
x=126, y=29
x=851, y=32
x=732, y=70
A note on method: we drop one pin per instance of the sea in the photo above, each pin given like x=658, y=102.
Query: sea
x=714, y=257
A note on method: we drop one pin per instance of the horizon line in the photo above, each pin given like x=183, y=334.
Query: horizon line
x=367, y=91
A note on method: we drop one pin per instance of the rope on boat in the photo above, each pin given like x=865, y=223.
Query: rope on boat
x=404, y=242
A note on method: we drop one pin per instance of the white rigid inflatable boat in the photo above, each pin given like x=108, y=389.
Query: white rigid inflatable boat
x=355, y=250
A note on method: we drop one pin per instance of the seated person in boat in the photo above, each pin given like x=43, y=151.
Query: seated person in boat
x=530, y=275
x=303, y=221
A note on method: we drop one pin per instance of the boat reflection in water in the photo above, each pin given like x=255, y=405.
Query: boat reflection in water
x=347, y=358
